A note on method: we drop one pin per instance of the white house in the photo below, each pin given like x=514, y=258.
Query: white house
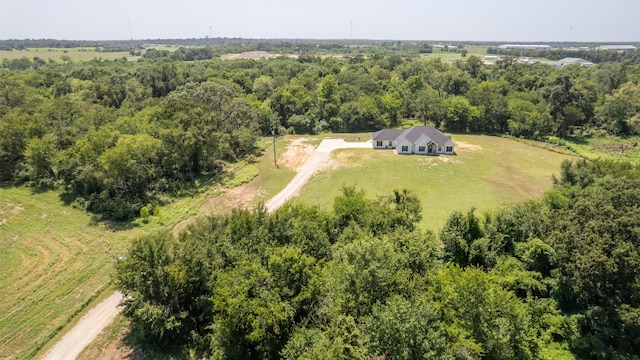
x=425, y=140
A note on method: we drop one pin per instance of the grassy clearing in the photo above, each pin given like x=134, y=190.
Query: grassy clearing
x=55, y=260
x=476, y=50
x=486, y=173
x=56, y=54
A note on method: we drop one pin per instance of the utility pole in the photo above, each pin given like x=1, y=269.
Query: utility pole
x=273, y=132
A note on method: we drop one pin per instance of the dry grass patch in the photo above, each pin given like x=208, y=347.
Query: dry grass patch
x=464, y=147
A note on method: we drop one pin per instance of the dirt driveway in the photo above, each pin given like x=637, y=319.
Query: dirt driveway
x=313, y=164
x=72, y=344
x=104, y=313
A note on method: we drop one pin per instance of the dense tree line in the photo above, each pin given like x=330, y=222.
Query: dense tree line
x=555, y=278
x=115, y=133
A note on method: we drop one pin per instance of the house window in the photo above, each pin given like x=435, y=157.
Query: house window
x=405, y=148
x=449, y=148
x=439, y=148
x=390, y=143
x=379, y=143
x=421, y=148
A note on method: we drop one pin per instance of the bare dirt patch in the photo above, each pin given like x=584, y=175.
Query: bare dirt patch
x=435, y=160
x=3, y=221
x=15, y=209
x=298, y=151
x=461, y=145
x=255, y=55
x=240, y=197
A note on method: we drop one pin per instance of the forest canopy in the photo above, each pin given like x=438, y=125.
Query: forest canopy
x=118, y=134
x=555, y=278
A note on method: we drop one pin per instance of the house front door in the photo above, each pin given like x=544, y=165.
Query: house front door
x=431, y=149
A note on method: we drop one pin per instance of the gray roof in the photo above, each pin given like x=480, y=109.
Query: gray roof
x=616, y=47
x=411, y=134
x=571, y=60
x=387, y=134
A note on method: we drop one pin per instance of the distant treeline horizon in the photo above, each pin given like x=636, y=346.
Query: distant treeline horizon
x=19, y=44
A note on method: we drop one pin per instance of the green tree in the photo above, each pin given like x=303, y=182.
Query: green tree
x=458, y=234
x=251, y=320
x=40, y=154
x=408, y=329
x=132, y=164
x=460, y=114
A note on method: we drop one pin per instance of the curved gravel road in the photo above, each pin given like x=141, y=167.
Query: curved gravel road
x=91, y=324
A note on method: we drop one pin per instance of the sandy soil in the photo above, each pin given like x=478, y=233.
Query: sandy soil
x=255, y=55
x=298, y=151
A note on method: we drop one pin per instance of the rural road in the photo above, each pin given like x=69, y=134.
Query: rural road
x=86, y=329
x=70, y=346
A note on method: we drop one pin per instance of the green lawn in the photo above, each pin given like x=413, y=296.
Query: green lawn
x=486, y=172
x=476, y=50
x=56, y=54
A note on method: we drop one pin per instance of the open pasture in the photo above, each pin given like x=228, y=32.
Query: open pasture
x=56, y=54
x=486, y=173
x=54, y=261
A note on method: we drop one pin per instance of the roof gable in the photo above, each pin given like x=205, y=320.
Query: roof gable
x=387, y=134
x=412, y=135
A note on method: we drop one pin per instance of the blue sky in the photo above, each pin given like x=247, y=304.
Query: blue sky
x=480, y=20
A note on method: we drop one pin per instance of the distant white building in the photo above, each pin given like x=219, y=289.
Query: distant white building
x=573, y=61
x=525, y=47
x=617, y=47
x=526, y=60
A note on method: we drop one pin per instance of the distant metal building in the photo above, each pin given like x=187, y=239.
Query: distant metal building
x=573, y=61
x=525, y=47
x=617, y=47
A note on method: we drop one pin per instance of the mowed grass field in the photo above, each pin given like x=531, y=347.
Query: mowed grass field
x=56, y=54
x=54, y=261
x=487, y=172
x=476, y=50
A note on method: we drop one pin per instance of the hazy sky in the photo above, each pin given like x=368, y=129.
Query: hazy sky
x=505, y=20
